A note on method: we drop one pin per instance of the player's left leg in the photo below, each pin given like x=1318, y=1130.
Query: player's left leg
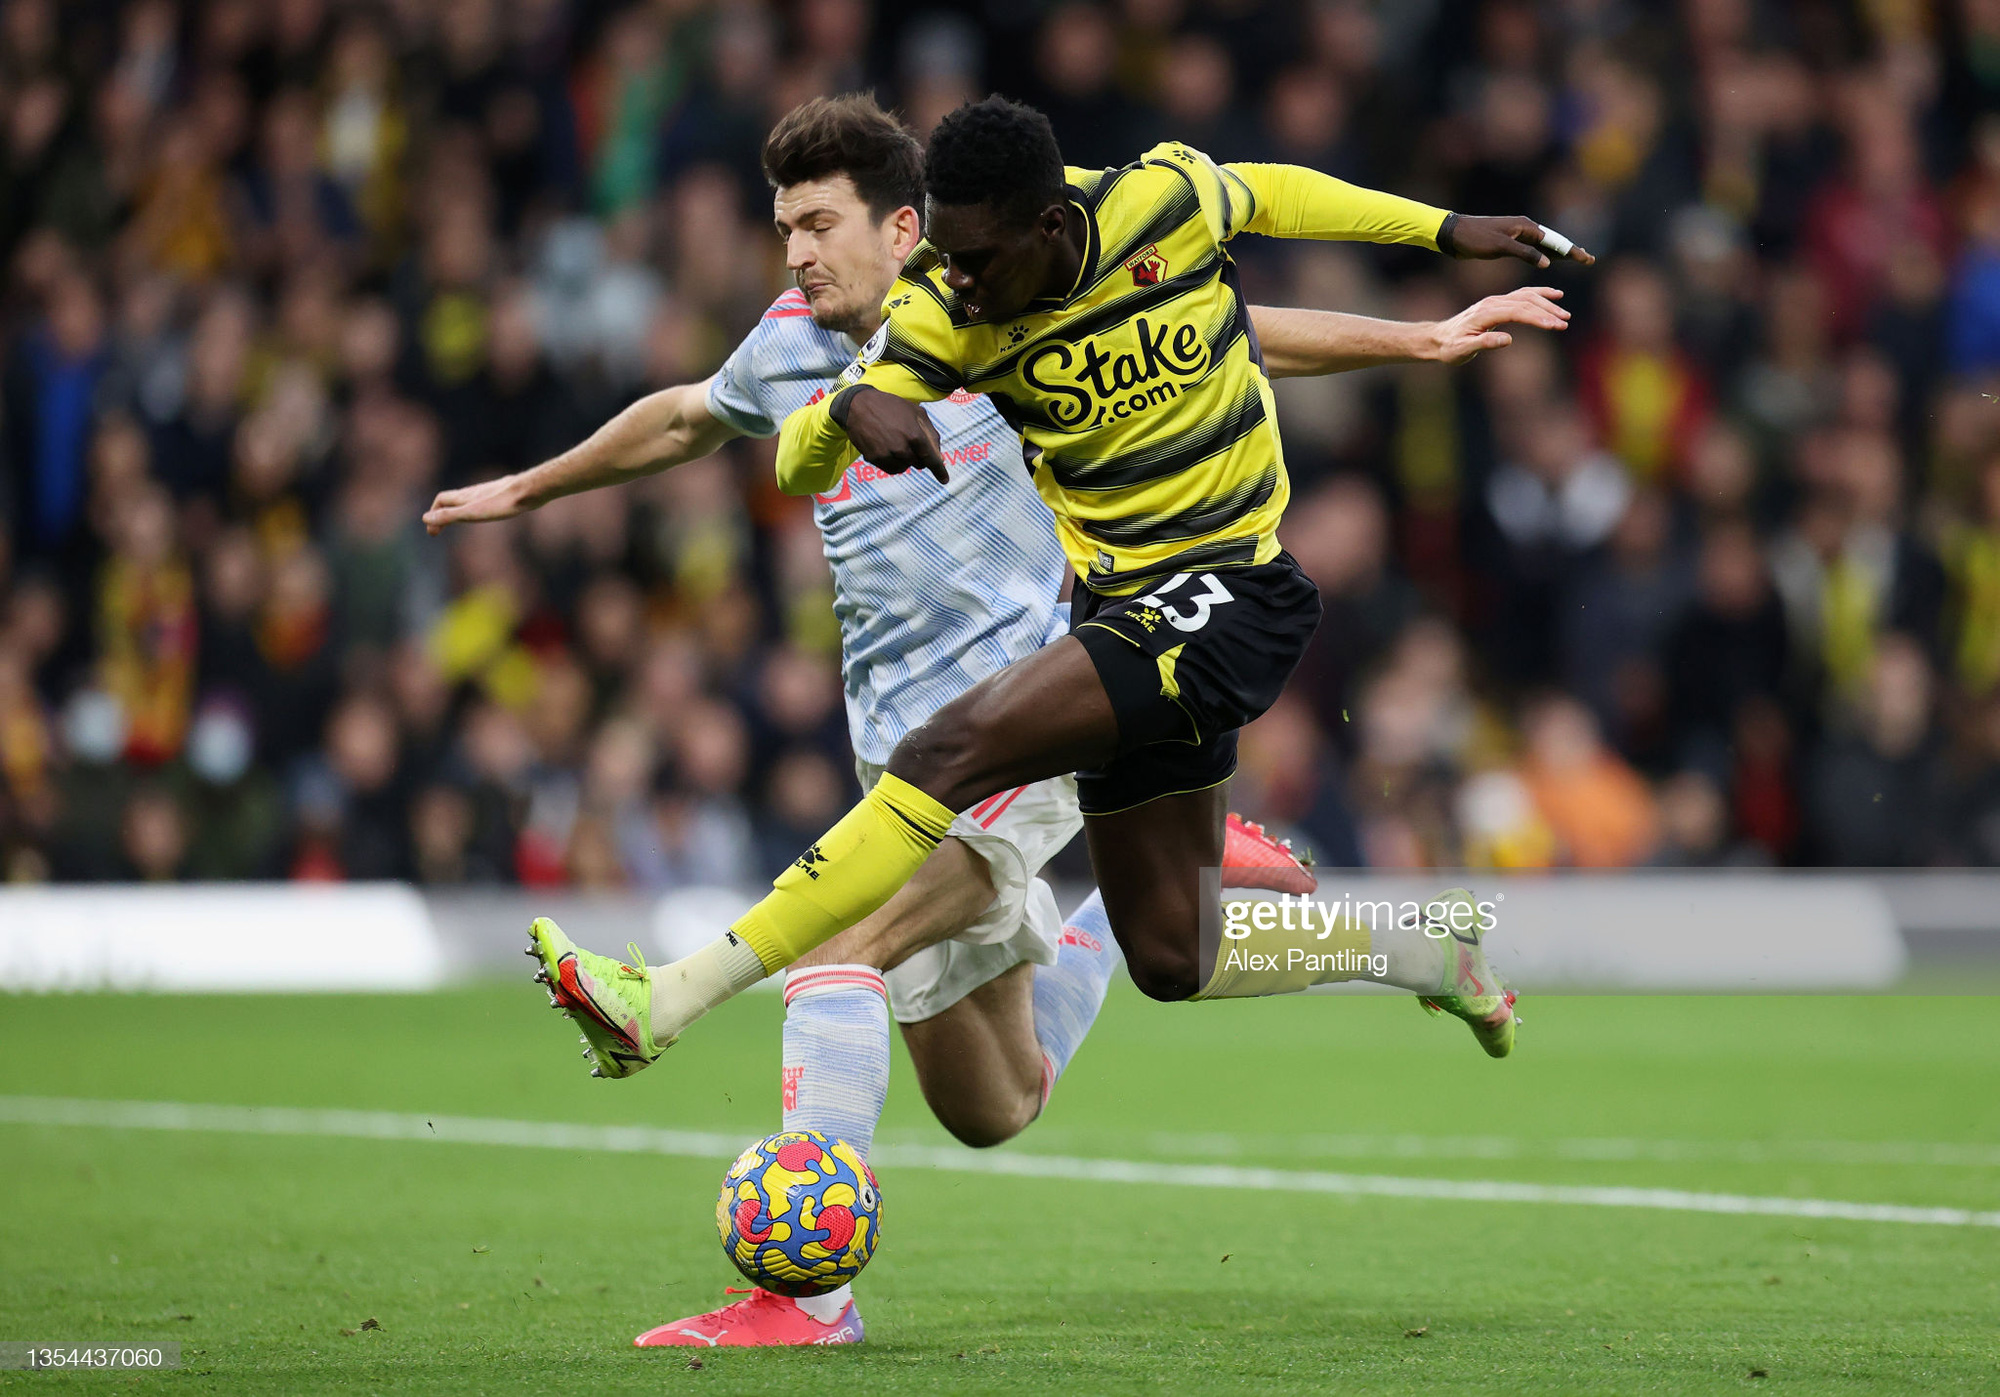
x=978, y=1063
x=988, y=1059
x=1043, y=716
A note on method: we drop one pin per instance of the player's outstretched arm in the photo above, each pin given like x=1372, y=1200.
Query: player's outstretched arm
x=1291, y=201
x=1301, y=343
x=661, y=430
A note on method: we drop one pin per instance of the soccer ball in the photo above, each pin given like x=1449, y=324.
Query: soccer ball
x=799, y=1213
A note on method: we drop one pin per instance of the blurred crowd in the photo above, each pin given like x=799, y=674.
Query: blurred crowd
x=1712, y=578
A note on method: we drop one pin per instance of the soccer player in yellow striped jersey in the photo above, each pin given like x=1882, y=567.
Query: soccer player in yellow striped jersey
x=1100, y=312
x=1139, y=388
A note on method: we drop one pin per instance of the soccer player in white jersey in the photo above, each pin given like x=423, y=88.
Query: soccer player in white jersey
x=937, y=585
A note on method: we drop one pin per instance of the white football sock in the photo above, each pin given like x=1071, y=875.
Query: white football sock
x=836, y=1070
x=1069, y=993
x=685, y=989
x=836, y=1062
x=826, y=1308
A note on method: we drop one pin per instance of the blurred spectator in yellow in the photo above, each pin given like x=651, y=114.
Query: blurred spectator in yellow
x=182, y=223
x=147, y=627
x=1973, y=555
x=1850, y=570
x=1647, y=399
x=364, y=129
x=27, y=747
x=1502, y=826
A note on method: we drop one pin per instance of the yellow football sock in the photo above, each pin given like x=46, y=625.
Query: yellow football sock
x=853, y=869
x=1274, y=961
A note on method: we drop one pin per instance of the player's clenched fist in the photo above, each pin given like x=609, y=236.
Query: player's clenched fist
x=891, y=433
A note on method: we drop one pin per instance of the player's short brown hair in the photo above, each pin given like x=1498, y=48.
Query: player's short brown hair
x=848, y=135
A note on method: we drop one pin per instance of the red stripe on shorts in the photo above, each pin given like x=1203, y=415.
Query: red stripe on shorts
x=987, y=821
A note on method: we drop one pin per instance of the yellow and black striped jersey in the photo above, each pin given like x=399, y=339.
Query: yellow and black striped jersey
x=1140, y=393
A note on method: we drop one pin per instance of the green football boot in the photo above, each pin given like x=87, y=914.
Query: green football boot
x=612, y=1002
x=1471, y=990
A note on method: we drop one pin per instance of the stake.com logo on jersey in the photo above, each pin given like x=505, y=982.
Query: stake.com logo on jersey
x=1085, y=383
x=958, y=456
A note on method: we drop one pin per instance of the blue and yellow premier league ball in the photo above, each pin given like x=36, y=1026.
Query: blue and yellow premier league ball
x=799, y=1213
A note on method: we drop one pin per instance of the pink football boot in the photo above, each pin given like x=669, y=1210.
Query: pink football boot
x=762, y=1321
x=1252, y=859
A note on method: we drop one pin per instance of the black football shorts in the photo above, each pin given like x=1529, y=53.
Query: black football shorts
x=1186, y=663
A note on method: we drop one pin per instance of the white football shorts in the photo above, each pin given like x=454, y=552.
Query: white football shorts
x=1016, y=832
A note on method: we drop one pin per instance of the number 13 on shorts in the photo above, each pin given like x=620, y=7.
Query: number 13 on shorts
x=1214, y=594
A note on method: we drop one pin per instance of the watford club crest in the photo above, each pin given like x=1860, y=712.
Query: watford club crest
x=1147, y=266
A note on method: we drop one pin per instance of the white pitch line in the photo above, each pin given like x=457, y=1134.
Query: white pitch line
x=1598, y=1150
x=639, y=1139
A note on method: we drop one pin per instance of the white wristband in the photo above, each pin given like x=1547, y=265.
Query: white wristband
x=1554, y=243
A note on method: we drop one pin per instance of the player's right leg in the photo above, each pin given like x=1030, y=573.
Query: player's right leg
x=835, y=1077
x=995, y=992
x=1004, y=1025
x=1142, y=855
x=1183, y=668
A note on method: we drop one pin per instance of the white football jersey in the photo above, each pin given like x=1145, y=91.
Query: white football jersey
x=936, y=586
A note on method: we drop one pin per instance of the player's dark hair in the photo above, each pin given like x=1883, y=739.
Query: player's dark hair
x=848, y=135
x=997, y=152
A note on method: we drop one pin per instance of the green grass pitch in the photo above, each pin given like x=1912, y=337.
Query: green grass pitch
x=500, y=1269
